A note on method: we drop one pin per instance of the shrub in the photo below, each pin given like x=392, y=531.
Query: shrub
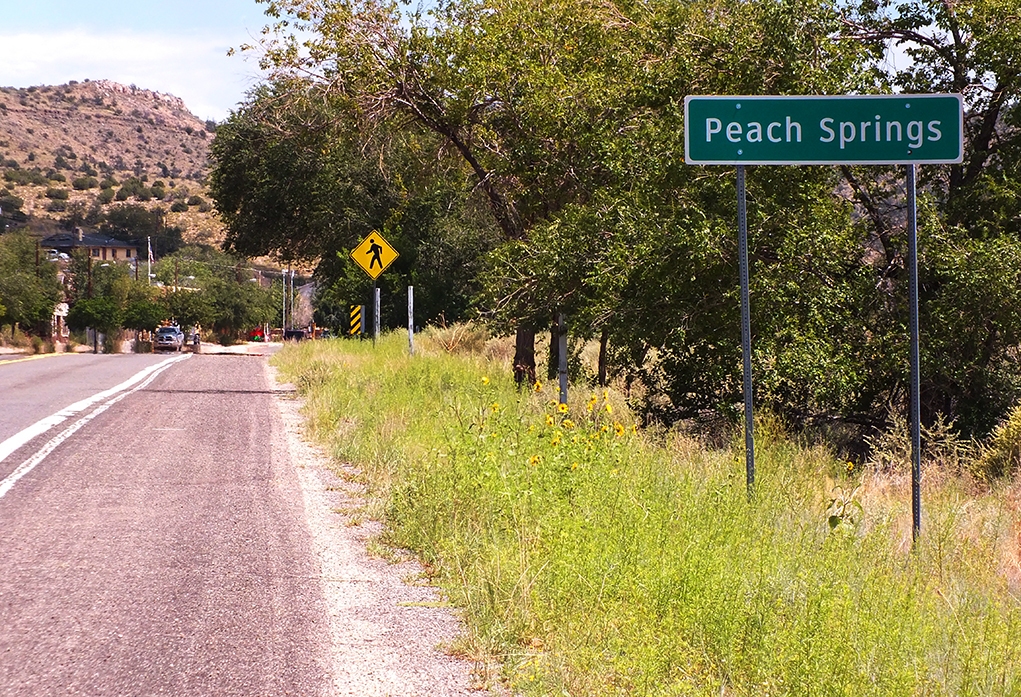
x=57, y=206
x=105, y=196
x=178, y=207
x=57, y=193
x=205, y=207
x=196, y=200
x=457, y=338
x=108, y=183
x=10, y=202
x=13, y=336
x=1001, y=455
x=85, y=183
x=55, y=176
x=26, y=176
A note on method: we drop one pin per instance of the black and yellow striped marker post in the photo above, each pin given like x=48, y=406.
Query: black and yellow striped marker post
x=356, y=320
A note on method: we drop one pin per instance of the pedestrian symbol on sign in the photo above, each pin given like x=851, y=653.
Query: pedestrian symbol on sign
x=374, y=254
x=374, y=250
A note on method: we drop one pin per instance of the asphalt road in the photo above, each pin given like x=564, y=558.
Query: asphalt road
x=158, y=544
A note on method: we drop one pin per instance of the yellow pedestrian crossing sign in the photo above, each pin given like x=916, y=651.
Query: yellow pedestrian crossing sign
x=374, y=254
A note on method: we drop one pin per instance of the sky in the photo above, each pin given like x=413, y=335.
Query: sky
x=178, y=48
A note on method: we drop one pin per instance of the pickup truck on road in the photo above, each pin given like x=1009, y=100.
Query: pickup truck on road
x=168, y=339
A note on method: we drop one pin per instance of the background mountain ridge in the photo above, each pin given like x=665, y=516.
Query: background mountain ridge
x=67, y=151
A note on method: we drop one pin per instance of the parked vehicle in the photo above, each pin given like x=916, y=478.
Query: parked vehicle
x=168, y=339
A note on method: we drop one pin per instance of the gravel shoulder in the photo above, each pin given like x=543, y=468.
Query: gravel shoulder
x=387, y=629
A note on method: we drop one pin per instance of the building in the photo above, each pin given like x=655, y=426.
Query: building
x=100, y=247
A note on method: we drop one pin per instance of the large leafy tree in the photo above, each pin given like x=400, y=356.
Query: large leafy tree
x=567, y=118
x=298, y=180
x=507, y=87
x=971, y=235
x=29, y=290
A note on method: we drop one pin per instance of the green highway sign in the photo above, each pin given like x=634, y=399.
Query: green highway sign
x=810, y=130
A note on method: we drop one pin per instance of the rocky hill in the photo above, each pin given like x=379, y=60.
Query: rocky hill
x=83, y=147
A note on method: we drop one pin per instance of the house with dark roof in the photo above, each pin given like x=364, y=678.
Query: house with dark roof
x=99, y=247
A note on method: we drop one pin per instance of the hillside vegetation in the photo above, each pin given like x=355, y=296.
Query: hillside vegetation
x=69, y=152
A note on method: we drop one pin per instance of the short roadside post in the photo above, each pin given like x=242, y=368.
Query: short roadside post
x=411, y=320
x=355, y=324
x=828, y=130
x=562, y=356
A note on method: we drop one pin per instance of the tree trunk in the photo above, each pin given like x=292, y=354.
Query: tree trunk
x=604, y=339
x=524, y=356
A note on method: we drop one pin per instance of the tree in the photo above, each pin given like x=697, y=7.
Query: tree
x=474, y=76
x=101, y=314
x=135, y=222
x=971, y=230
x=189, y=308
x=567, y=118
x=302, y=184
x=29, y=290
x=237, y=307
x=143, y=315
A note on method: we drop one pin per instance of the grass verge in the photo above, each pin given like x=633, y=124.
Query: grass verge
x=594, y=558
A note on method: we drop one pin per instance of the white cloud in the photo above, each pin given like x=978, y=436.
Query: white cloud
x=194, y=67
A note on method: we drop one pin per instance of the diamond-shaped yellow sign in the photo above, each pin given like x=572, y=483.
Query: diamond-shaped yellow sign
x=374, y=254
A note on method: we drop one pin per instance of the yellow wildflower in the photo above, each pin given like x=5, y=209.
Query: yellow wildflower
x=496, y=406
x=562, y=408
x=618, y=429
x=534, y=460
x=485, y=380
x=606, y=395
x=550, y=420
x=568, y=423
x=537, y=386
x=609, y=409
x=574, y=465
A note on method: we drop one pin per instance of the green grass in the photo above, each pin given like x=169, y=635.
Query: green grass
x=592, y=558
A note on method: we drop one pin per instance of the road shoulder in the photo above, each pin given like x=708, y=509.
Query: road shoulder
x=386, y=631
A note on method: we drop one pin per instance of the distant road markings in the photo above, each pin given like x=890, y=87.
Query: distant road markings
x=36, y=357
x=16, y=441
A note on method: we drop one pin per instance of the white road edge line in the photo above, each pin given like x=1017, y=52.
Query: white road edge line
x=16, y=441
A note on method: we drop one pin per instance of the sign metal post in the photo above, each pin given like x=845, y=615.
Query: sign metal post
x=915, y=407
x=746, y=331
x=375, y=313
x=904, y=129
